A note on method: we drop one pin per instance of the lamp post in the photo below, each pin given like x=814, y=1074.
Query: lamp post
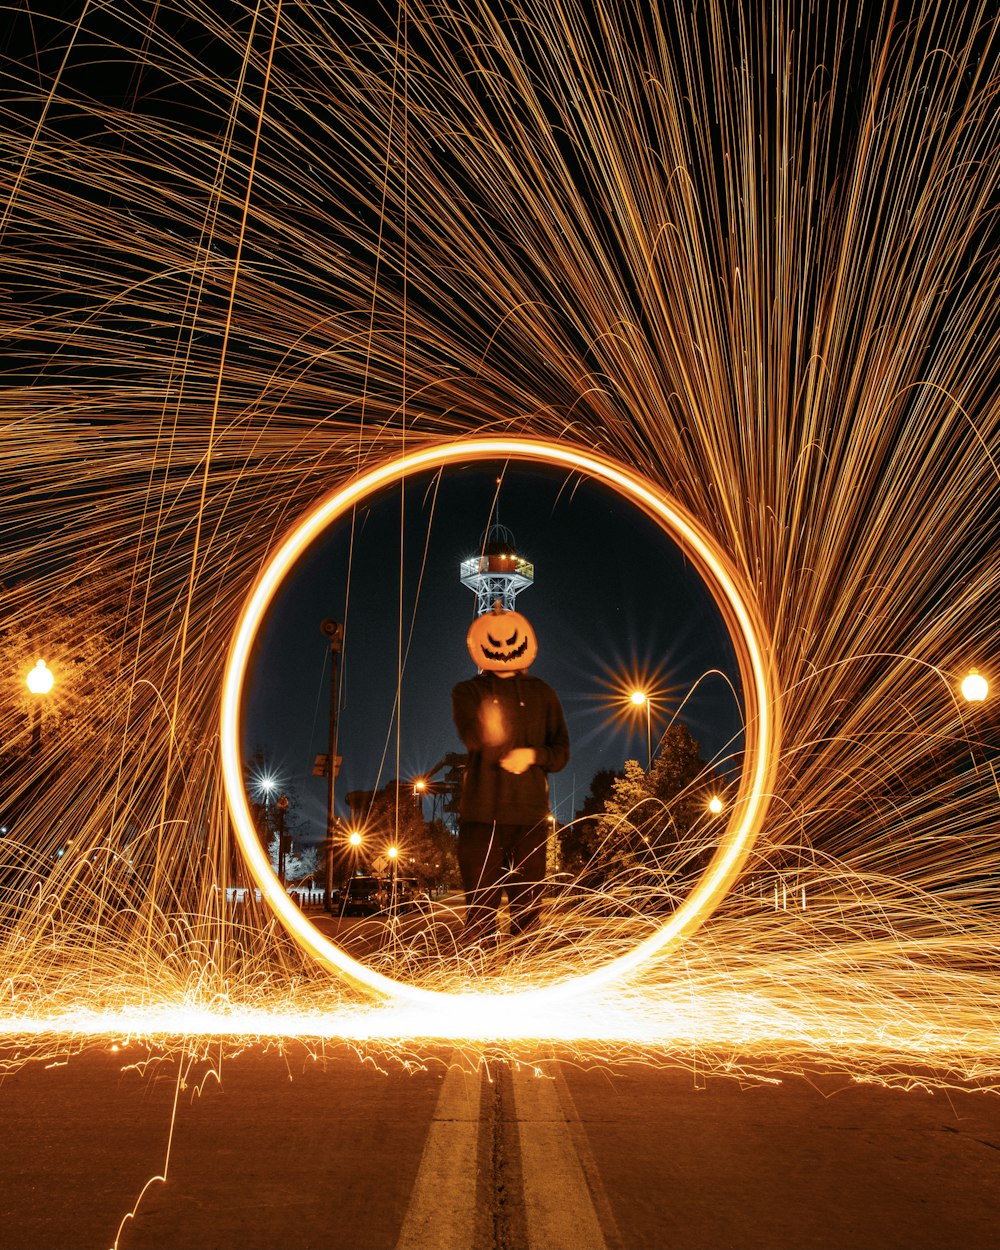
x=640, y=698
x=39, y=681
x=552, y=864
x=975, y=690
x=281, y=807
x=393, y=855
x=266, y=786
x=334, y=631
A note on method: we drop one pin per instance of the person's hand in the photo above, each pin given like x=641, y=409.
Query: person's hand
x=519, y=760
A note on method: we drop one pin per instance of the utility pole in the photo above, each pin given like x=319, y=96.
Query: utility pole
x=334, y=631
x=281, y=808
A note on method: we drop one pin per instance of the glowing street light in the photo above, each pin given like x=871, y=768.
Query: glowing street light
x=640, y=698
x=715, y=805
x=975, y=687
x=393, y=855
x=355, y=842
x=40, y=682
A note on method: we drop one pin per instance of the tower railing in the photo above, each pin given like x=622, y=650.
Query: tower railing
x=477, y=565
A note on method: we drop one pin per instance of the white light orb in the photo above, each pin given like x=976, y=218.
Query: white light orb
x=975, y=687
x=40, y=680
x=715, y=805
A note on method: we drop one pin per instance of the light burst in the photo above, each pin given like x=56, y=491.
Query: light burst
x=752, y=255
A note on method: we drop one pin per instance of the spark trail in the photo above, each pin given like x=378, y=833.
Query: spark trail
x=752, y=255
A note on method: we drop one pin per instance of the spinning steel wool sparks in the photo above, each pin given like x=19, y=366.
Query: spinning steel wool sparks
x=270, y=252
x=762, y=745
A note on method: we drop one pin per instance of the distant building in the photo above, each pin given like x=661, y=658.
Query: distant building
x=498, y=572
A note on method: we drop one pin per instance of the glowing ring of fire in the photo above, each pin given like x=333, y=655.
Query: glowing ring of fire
x=734, y=601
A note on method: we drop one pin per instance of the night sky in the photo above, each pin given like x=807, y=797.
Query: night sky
x=613, y=596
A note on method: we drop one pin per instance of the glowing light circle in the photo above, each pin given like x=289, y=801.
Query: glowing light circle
x=734, y=601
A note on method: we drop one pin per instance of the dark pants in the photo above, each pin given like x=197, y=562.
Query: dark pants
x=493, y=858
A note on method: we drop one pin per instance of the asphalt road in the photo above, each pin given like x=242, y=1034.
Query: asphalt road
x=284, y=1150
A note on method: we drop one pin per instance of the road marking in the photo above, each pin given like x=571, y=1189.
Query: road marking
x=442, y=1210
x=558, y=1207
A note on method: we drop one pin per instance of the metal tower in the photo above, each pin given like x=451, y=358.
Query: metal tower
x=497, y=572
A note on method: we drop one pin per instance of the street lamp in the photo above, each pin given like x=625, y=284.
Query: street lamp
x=552, y=856
x=39, y=681
x=640, y=698
x=355, y=840
x=393, y=855
x=333, y=631
x=715, y=805
x=975, y=687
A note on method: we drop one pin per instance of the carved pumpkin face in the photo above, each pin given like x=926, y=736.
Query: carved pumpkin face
x=501, y=641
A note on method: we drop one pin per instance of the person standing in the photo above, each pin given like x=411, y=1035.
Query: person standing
x=514, y=731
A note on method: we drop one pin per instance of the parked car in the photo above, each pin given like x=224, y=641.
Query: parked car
x=407, y=892
x=362, y=896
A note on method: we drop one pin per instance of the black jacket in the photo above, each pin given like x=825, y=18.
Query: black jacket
x=533, y=717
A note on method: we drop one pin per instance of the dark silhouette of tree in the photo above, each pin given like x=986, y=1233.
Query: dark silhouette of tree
x=578, y=841
x=681, y=779
x=650, y=822
x=426, y=848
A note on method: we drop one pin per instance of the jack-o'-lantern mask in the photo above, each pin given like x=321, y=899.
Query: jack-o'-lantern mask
x=501, y=641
